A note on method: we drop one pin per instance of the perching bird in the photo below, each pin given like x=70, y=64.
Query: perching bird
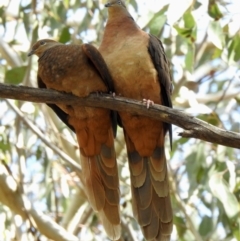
x=81, y=70
x=139, y=69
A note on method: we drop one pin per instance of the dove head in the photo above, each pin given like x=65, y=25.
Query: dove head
x=115, y=4
x=41, y=46
x=117, y=11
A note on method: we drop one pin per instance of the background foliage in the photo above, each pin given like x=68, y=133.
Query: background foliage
x=202, y=41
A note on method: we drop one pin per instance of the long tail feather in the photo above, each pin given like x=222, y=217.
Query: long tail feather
x=150, y=193
x=102, y=187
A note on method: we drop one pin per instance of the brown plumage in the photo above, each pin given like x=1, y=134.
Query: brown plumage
x=80, y=70
x=139, y=68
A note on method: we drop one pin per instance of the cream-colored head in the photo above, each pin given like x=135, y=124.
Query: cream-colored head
x=41, y=46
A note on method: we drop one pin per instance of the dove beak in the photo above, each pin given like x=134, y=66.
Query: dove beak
x=30, y=53
x=108, y=5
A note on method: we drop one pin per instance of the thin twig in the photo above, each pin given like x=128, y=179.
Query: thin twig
x=182, y=207
x=38, y=132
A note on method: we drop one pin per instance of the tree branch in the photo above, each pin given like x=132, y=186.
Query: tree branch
x=193, y=127
x=11, y=196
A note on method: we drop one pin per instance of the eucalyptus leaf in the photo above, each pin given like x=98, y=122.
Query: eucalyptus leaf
x=215, y=34
x=213, y=10
x=220, y=190
x=177, y=9
x=65, y=35
x=189, y=60
x=15, y=75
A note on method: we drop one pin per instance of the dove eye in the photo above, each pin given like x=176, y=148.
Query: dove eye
x=119, y=2
x=42, y=42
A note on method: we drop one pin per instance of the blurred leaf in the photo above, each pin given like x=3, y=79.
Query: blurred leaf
x=200, y=174
x=216, y=53
x=26, y=22
x=66, y=3
x=185, y=32
x=220, y=189
x=236, y=231
x=54, y=24
x=208, y=49
x=157, y=22
x=235, y=127
x=194, y=162
x=65, y=35
x=189, y=31
x=180, y=45
x=189, y=60
x=35, y=33
x=15, y=75
x=61, y=12
x=3, y=16
x=54, y=12
x=197, y=4
x=89, y=4
x=211, y=118
x=177, y=9
x=38, y=153
x=234, y=48
x=206, y=226
x=189, y=21
x=134, y=4
x=180, y=225
x=4, y=143
x=215, y=34
x=213, y=10
x=178, y=143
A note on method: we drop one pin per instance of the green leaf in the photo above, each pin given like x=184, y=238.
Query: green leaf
x=3, y=16
x=206, y=226
x=158, y=24
x=197, y=5
x=215, y=34
x=35, y=33
x=190, y=30
x=189, y=60
x=177, y=9
x=157, y=21
x=180, y=225
x=220, y=190
x=66, y=3
x=65, y=35
x=189, y=21
x=195, y=161
x=15, y=75
x=4, y=144
x=61, y=12
x=216, y=53
x=211, y=118
x=187, y=33
x=134, y=4
x=89, y=4
x=234, y=48
x=26, y=22
x=214, y=11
